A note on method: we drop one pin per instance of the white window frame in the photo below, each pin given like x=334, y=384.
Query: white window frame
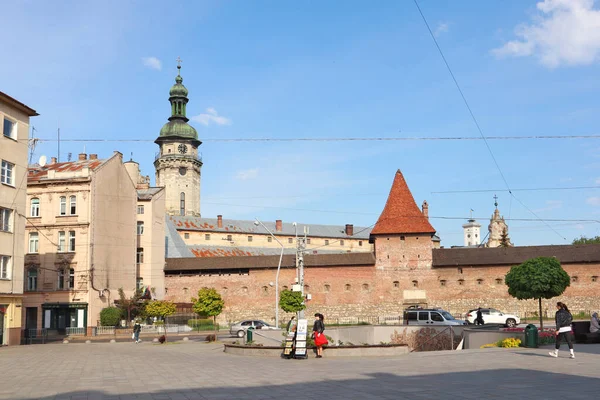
x=34, y=242
x=7, y=174
x=71, y=241
x=6, y=219
x=73, y=205
x=140, y=227
x=13, y=132
x=5, y=267
x=34, y=207
x=32, y=279
x=62, y=241
x=140, y=209
x=63, y=205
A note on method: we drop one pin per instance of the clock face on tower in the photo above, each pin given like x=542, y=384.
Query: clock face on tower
x=182, y=148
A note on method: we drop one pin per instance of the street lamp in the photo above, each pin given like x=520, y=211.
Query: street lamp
x=257, y=222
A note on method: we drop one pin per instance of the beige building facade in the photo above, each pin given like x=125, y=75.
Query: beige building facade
x=80, y=242
x=14, y=122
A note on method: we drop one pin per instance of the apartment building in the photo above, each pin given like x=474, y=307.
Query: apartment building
x=14, y=120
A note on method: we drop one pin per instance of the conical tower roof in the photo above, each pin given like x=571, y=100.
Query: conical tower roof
x=401, y=214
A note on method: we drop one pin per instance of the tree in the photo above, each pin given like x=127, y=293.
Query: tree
x=585, y=240
x=110, y=316
x=504, y=240
x=134, y=306
x=537, y=278
x=209, y=303
x=160, y=309
x=290, y=301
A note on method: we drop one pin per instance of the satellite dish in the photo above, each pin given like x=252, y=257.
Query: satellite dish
x=43, y=160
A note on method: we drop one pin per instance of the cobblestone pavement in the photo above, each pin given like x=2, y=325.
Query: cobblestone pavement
x=193, y=370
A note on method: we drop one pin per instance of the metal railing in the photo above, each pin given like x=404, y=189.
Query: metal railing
x=31, y=336
x=104, y=330
x=76, y=331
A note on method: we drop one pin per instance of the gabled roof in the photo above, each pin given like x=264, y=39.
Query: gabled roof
x=37, y=173
x=401, y=214
x=147, y=194
x=241, y=251
x=18, y=105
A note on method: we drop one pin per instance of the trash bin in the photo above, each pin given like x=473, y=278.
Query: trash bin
x=249, y=334
x=531, y=336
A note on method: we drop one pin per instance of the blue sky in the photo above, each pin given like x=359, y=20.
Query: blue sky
x=272, y=69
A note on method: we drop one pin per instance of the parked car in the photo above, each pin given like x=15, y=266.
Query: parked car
x=239, y=328
x=430, y=316
x=493, y=316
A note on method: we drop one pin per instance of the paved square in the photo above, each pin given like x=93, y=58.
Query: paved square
x=196, y=370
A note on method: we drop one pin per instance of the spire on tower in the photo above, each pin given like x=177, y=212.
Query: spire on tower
x=496, y=201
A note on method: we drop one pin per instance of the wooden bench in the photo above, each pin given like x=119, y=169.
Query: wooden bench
x=581, y=330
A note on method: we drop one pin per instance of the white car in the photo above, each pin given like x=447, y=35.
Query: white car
x=239, y=328
x=493, y=316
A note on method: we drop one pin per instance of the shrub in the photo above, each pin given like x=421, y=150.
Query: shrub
x=511, y=342
x=200, y=323
x=110, y=316
x=162, y=339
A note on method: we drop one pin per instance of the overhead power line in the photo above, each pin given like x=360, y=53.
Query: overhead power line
x=516, y=190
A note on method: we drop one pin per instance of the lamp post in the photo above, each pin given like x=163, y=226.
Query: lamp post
x=257, y=222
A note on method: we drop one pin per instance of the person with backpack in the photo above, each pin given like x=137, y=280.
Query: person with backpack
x=563, y=320
x=137, y=328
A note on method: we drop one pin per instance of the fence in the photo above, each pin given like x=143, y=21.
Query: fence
x=76, y=331
x=32, y=336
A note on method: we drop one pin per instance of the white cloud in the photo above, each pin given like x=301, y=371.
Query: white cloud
x=565, y=32
x=247, y=174
x=152, y=62
x=211, y=116
x=593, y=201
x=550, y=205
x=441, y=28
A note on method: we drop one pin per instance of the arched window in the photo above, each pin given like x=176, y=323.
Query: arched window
x=35, y=207
x=499, y=281
x=365, y=287
x=73, y=205
x=415, y=283
x=347, y=287
x=63, y=205
x=182, y=203
x=442, y=282
x=327, y=288
x=479, y=281
x=396, y=284
x=461, y=282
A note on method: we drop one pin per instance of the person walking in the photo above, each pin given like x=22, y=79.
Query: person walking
x=137, y=328
x=291, y=326
x=563, y=320
x=595, y=323
x=479, y=319
x=318, y=335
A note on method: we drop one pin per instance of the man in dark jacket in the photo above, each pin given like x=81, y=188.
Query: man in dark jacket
x=479, y=319
x=563, y=319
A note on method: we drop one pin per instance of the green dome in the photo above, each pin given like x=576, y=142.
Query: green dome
x=180, y=129
x=178, y=89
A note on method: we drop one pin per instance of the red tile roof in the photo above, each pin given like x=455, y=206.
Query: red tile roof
x=401, y=214
x=37, y=172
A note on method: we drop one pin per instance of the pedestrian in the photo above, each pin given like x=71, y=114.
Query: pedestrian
x=595, y=323
x=291, y=326
x=479, y=319
x=137, y=328
x=318, y=335
x=563, y=320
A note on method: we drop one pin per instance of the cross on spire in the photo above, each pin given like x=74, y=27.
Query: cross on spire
x=179, y=60
x=496, y=201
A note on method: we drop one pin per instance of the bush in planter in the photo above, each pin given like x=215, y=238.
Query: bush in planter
x=110, y=316
x=204, y=323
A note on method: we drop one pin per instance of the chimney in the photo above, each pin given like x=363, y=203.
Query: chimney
x=93, y=156
x=53, y=160
x=219, y=221
x=278, y=225
x=425, y=209
x=82, y=156
x=349, y=229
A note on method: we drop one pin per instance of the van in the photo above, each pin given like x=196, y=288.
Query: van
x=430, y=316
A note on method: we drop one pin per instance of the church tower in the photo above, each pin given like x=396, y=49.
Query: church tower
x=178, y=163
x=498, y=230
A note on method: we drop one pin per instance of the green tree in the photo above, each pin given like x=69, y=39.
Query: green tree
x=290, y=301
x=110, y=316
x=134, y=306
x=504, y=240
x=537, y=278
x=209, y=303
x=160, y=309
x=585, y=240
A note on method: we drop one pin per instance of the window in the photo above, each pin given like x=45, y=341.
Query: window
x=327, y=288
x=347, y=287
x=396, y=284
x=140, y=284
x=186, y=235
x=442, y=282
x=436, y=317
x=71, y=283
x=290, y=240
x=415, y=283
x=574, y=279
x=249, y=238
x=140, y=227
x=265, y=289
x=35, y=207
x=244, y=290
x=229, y=238
x=61, y=241
x=182, y=203
x=326, y=242
x=7, y=173
x=402, y=238
x=71, y=241
x=32, y=278
x=63, y=206
x=479, y=281
x=360, y=242
x=594, y=278
x=139, y=259
x=269, y=239
x=9, y=128
x=140, y=209
x=341, y=242
x=4, y=267
x=5, y=219
x=498, y=281
x=423, y=316
x=61, y=279
x=34, y=242
x=207, y=236
x=73, y=205
x=308, y=241
x=365, y=287
x=461, y=282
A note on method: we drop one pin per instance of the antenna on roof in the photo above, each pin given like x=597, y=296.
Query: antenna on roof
x=69, y=155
